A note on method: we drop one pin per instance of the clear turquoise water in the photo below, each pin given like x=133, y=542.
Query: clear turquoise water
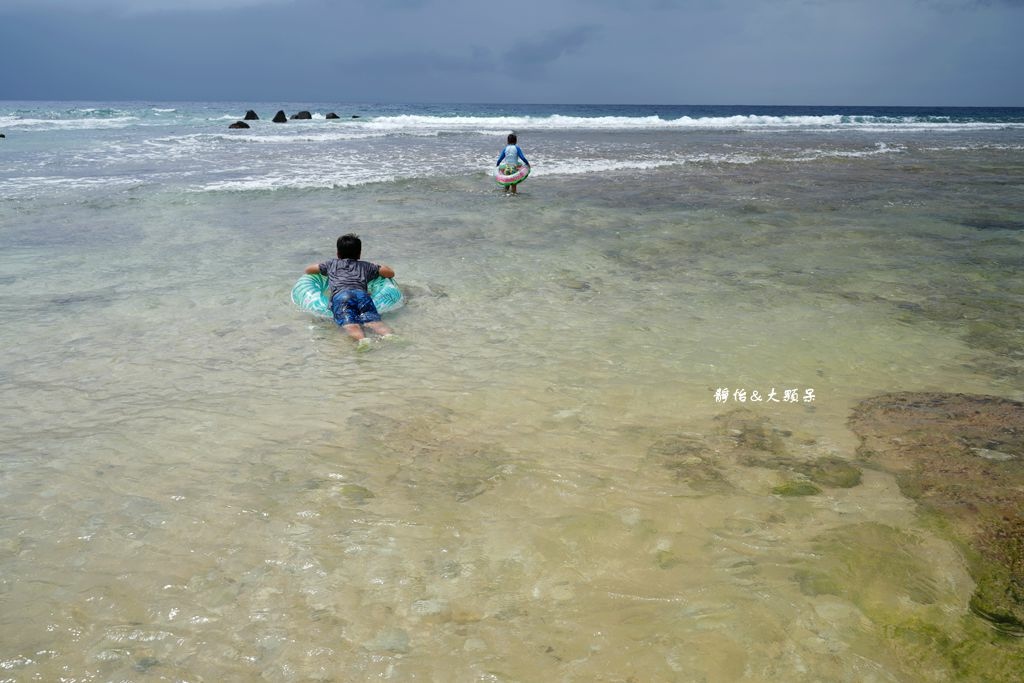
x=202, y=483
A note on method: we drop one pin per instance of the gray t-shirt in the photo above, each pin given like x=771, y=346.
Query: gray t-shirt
x=348, y=273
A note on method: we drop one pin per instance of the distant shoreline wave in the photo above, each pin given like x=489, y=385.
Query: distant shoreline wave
x=85, y=118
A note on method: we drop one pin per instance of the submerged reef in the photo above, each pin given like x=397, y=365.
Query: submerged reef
x=961, y=457
x=690, y=461
x=759, y=444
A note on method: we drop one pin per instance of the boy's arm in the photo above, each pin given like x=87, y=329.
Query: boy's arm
x=312, y=269
x=387, y=271
x=502, y=156
x=522, y=156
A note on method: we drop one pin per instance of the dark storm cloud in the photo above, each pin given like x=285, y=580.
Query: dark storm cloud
x=414, y=64
x=411, y=66
x=537, y=52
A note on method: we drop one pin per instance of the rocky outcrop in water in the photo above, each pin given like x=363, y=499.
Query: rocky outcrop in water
x=302, y=116
x=239, y=124
x=962, y=458
x=332, y=115
x=280, y=117
x=251, y=116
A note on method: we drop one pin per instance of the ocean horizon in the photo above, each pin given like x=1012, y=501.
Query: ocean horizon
x=633, y=428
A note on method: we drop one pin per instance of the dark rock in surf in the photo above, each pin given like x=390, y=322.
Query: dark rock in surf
x=239, y=124
x=280, y=117
x=302, y=116
x=332, y=115
x=251, y=116
x=355, y=116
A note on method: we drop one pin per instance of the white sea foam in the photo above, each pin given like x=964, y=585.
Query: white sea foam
x=307, y=135
x=299, y=173
x=32, y=187
x=18, y=123
x=427, y=125
x=561, y=122
x=975, y=148
x=299, y=182
x=312, y=176
x=411, y=124
x=880, y=148
x=599, y=166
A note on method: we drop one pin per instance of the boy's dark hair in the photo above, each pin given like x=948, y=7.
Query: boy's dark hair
x=350, y=246
x=511, y=138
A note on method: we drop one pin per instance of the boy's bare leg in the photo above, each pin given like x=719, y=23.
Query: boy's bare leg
x=380, y=328
x=354, y=330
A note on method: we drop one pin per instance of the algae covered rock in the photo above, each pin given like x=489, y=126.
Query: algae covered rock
x=962, y=458
x=890, y=576
x=354, y=493
x=758, y=443
x=830, y=471
x=870, y=564
x=690, y=461
x=791, y=489
x=753, y=432
x=824, y=471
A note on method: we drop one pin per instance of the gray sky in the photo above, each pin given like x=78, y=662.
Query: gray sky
x=829, y=52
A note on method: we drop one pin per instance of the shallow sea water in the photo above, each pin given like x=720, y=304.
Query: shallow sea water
x=536, y=482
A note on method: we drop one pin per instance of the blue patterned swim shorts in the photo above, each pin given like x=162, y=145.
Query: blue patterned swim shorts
x=353, y=307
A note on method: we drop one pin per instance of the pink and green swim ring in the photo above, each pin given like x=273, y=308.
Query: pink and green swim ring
x=508, y=176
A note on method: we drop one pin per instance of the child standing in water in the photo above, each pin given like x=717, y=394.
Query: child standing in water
x=511, y=155
x=350, y=301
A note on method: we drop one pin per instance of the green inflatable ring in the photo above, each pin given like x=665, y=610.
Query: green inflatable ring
x=310, y=294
